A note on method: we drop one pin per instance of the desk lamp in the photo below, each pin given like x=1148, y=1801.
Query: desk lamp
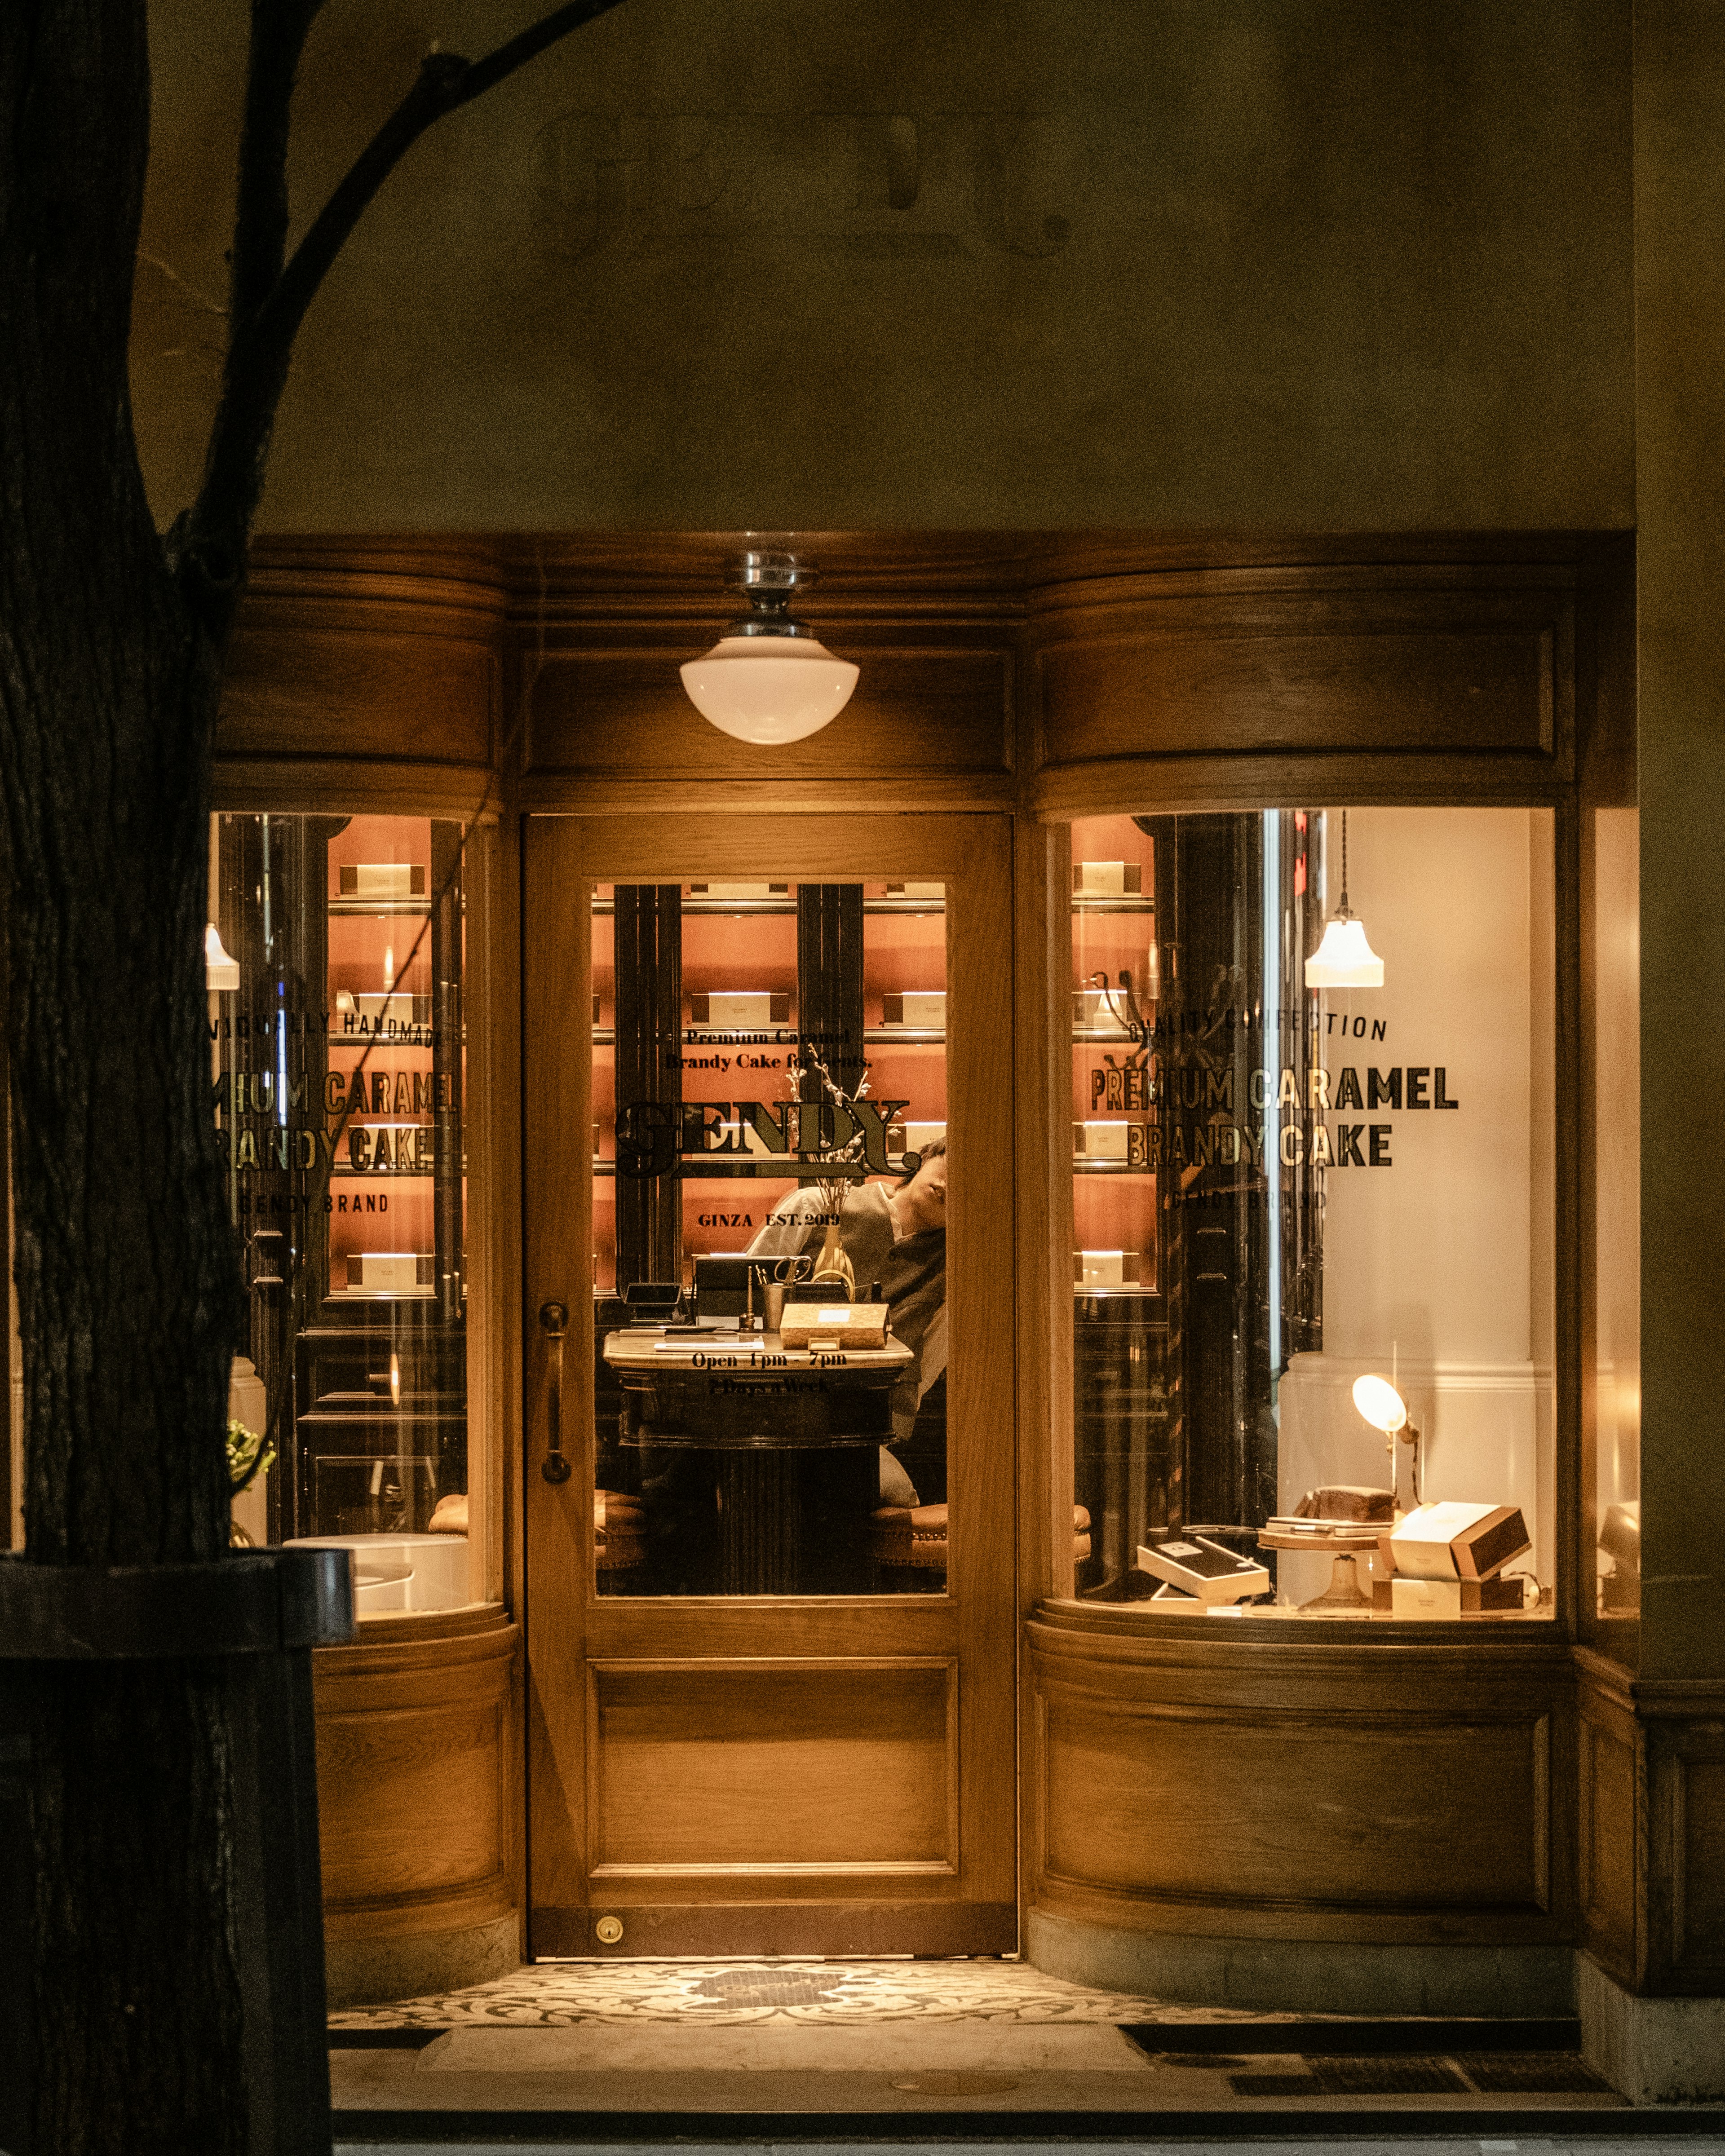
x=1384, y=1407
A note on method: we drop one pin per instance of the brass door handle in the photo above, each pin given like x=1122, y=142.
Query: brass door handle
x=554, y=1317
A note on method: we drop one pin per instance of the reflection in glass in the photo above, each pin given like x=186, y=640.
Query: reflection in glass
x=1279, y=1190
x=338, y=1067
x=769, y=1228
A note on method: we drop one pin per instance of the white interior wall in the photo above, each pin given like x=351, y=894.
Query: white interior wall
x=1441, y=1264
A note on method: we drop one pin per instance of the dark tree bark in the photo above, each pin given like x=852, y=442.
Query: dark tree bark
x=111, y=650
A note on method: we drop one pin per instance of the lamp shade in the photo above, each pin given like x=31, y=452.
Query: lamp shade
x=769, y=689
x=220, y=972
x=1344, y=959
x=1381, y=1405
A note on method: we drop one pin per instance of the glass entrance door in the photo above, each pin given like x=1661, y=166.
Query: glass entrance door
x=769, y=1459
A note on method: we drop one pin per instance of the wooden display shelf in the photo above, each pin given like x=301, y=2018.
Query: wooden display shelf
x=935, y=906
x=379, y=908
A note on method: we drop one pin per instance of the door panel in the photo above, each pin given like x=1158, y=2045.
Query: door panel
x=797, y=1772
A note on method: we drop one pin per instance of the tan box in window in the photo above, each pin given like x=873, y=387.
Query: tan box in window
x=1446, y=1598
x=383, y=880
x=741, y=1007
x=924, y=1008
x=389, y=1272
x=739, y=890
x=935, y=890
x=1106, y=1268
x=1458, y=1542
x=1106, y=879
x=836, y=1324
x=1101, y=1140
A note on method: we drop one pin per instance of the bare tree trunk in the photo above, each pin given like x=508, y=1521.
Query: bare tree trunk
x=126, y=1274
x=128, y=1280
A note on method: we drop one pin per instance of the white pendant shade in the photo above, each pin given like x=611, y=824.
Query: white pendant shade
x=1344, y=959
x=769, y=689
x=1381, y=1405
x=220, y=972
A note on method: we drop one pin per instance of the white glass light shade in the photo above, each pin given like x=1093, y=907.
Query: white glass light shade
x=1344, y=959
x=1381, y=1405
x=220, y=972
x=769, y=689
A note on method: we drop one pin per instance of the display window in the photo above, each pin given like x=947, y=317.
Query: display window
x=769, y=1263
x=338, y=1066
x=1314, y=1120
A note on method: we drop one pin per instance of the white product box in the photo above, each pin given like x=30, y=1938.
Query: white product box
x=1101, y=1140
x=383, y=880
x=738, y=890
x=742, y=1008
x=1204, y=1569
x=389, y=1272
x=1458, y=1542
x=401, y=1572
x=1105, y=1268
x=925, y=1009
x=1106, y=879
x=934, y=891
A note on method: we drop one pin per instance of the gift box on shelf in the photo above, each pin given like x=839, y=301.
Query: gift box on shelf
x=1106, y=1268
x=394, y=1008
x=1101, y=1140
x=1100, y=1010
x=390, y=1272
x=741, y=1007
x=923, y=1009
x=739, y=890
x=912, y=1138
x=930, y=891
x=383, y=880
x=1106, y=879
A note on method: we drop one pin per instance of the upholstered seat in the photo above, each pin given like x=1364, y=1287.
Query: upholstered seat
x=914, y=1536
x=619, y=1537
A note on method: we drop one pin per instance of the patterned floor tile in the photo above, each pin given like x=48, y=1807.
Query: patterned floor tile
x=549, y=1994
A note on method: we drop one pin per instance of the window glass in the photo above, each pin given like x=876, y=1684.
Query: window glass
x=338, y=1068
x=769, y=1261
x=1313, y=1145
x=1617, y=1028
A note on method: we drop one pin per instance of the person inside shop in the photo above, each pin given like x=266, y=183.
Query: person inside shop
x=896, y=1235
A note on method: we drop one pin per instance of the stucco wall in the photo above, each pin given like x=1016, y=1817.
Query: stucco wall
x=770, y=262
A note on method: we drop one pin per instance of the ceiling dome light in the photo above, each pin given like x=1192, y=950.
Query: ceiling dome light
x=768, y=680
x=1344, y=959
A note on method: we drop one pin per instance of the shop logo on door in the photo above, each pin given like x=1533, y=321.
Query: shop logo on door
x=672, y=1137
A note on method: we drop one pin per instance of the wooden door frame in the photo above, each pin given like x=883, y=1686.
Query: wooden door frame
x=967, y=1902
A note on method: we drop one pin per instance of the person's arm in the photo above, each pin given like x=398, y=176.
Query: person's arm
x=784, y=1233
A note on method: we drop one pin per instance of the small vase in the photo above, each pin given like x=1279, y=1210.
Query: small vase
x=833, y=1262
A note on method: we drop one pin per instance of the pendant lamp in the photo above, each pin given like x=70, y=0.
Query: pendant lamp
x=769, y=680
x=221, y=973
x=1344, y=959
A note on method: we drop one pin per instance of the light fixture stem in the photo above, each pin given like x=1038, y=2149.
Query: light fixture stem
x=1342, y=909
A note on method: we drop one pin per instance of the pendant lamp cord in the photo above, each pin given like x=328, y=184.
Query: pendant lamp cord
x=1342, y=909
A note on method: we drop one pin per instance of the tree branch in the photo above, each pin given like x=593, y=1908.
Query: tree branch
x=261, y=209
x=208, y=542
